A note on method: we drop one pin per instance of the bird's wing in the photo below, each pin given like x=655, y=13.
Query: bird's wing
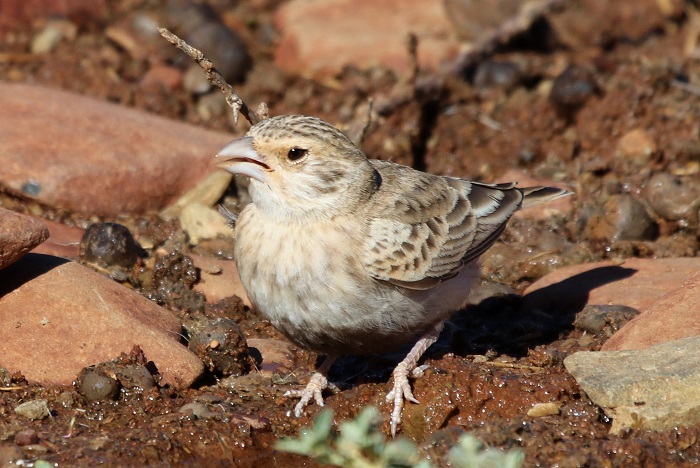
x=425, y=228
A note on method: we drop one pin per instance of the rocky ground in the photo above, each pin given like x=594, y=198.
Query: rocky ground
x=127, y=337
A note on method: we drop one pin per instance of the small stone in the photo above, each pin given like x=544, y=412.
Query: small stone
x=200, y=25
x=637, y=146
x=495, y=74
x=34, y=409
x=197, y=410
x=5, y=377
x=203, y=222
x=622, y=218
x=571, y=89
x=110, y=246
x=66, y=399
x=52, y=34
x=97, y=387
x=544, y=409
x=100, y=444
x=674, y=198
x=195, y=80
x=222, y=347
x=169, y=79
x=133, y=376
x=604, y=319
x=26, y=437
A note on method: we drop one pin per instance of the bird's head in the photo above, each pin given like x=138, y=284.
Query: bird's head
x=300, y=166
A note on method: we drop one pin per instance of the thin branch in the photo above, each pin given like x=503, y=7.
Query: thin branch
x=237, y=104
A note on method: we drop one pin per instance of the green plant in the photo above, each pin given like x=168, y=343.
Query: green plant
x=360, y=444
x=469, y=452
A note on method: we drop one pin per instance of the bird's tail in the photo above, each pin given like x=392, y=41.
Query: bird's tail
x=535, y=195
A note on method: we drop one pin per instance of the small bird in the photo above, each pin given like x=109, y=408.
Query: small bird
x=351, y=256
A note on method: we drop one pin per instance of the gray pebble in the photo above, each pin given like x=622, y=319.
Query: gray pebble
x=97, y=387
x=34, y=409
x=674, y=198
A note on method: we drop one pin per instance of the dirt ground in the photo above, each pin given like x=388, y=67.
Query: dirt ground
x=497, y=358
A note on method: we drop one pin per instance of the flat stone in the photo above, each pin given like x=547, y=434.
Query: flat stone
x=63, y=241
x=636, y=283
x=656, y=388
x=18, y=235
x=321, y=38
x=57, y=317
x=89, y=156
x=674, y=316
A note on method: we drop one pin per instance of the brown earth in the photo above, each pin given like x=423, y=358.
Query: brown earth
x=497, y=359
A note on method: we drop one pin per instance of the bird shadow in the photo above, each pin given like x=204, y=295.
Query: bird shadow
x=505, y=324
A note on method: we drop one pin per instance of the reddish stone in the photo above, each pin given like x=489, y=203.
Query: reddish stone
x=666, y=291
x=674, y=316
x=320, y=38
x=57, y=317
x=84, y=155
x=18, y=235
x=63, y=241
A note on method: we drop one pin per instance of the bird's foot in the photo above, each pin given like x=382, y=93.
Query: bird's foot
x=402, y=390
x=314, y=389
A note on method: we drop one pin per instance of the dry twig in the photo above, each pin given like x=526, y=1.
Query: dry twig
x=237, y=104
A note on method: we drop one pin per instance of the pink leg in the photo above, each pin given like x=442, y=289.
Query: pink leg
x=314, y=389
x=402, y=389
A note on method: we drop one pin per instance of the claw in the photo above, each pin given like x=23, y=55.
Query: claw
x=402, y=388
x=314, y=389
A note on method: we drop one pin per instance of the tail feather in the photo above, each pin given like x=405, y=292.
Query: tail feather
x=536, y=195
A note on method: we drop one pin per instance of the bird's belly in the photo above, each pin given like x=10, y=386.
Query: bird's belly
x=309, y=285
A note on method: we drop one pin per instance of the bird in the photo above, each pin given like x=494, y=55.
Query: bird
x=347, y=255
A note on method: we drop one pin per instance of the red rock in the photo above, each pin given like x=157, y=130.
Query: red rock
x=57, y=317
x=63, y=241
x=319, y=38
x=666, y=291
x=674, y=316
x=637, y=283
x=18, y=235
x=219, y=279
x=168, y=78
x=560, y=207
x=84, y=155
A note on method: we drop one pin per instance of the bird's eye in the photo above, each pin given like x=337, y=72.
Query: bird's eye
x=296, y=154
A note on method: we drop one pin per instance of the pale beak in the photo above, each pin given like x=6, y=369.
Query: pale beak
x=239, y=157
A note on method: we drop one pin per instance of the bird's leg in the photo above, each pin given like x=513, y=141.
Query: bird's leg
x=314, y=389
x=402, y=389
